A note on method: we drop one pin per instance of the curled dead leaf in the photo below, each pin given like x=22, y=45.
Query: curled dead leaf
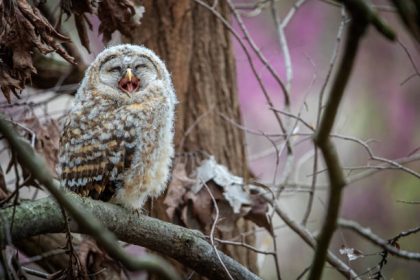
x=95, y=261
x=116, y=15
x=80, y=9
x=47, y=138
x=24, y=30
x=258, y=212
x=177, y=188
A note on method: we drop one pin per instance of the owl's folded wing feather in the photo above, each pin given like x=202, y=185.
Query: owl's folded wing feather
x=93, y=164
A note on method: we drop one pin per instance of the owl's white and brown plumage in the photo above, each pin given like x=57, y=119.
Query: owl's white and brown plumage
x=117, y=141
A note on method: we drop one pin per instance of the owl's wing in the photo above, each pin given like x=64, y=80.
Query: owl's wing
x=93, y=160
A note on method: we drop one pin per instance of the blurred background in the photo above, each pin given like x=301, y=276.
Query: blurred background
x=380, y=106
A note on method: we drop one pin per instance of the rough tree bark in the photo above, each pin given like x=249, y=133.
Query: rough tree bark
x=198, y=52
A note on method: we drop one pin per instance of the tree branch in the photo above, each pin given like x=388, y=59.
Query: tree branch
x=91, y=215
x=307, y=237
x=322, y=139
x=375, y=239
x=184, y=245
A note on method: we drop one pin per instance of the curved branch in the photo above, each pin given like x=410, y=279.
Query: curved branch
x=322, y=139
x=378, y=241
x=308, y=238
x=184, y=245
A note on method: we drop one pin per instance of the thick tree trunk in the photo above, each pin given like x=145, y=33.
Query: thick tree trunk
x=198, y=52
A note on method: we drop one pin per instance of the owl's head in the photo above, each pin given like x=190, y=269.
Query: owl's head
x=125, y=71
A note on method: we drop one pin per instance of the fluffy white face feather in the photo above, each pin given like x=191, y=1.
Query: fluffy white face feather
x=112, y=65
x=117, y=142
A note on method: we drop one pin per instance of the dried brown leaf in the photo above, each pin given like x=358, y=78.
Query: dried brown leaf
x=82, y=30
x=258, y=212
x=23, y=31
x=47, y=137
x=80, y=8
x=227, y=218
x=177, y=187
x=116, y=15
x=189, y=201
x=188, y=217
x=95, y=261
x=203, y=206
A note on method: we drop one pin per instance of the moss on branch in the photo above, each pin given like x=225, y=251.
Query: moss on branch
x=186, y=246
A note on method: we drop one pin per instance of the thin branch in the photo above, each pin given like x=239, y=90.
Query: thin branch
x=384, y=244
x=245, y=245
x=36, y=273
x=312, y=190
x=416, y=70
x=368, y=12
x=251, y=42
x=322, y=139
x=213, y=228
x=408, y=202
x=367, y=173
x=377, y=158
x=307, y=237
x=284, y=47
x=298, y=118
x=292, y=12
x=249, y=58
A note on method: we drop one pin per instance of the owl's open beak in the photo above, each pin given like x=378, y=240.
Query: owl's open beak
x=129, y=82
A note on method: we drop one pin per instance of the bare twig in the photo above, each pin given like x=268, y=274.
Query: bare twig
x=36, y=273
x=416, y=70
x=384, y=244
x=249, y=58
x=307, y=237
x=335, y=173
x=377, y=158
x=408, y=202
x=292, y=12
x=261, y=57
x=245, y=245
x=284, y=46
x=213, y=228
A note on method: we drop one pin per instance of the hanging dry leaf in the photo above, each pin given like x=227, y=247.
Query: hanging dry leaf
x=258, y=213
x=227, y=218
x=233, y=186
x=47, y=138
x=187, y=199
x=95, y=261
x=188, y=217
x=116, y=15
x=23, y=30
x=80, y=9
x=177, y=187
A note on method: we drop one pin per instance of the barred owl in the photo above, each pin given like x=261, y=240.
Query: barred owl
x=117, y=140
